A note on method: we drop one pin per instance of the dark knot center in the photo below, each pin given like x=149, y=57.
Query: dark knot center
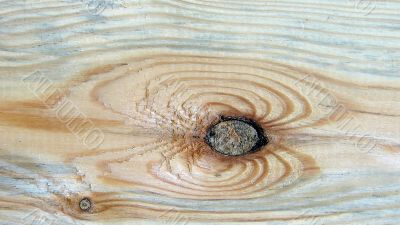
x=235, y=136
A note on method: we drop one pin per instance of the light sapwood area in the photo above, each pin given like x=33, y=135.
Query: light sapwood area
x=104, y=109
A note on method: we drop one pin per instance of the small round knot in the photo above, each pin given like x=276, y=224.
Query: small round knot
x=85, y=204
x=235, y=136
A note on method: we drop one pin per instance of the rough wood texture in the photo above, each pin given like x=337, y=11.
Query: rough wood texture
x=111, y=102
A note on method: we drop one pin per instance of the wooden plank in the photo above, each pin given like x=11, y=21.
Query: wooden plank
x=109, y=102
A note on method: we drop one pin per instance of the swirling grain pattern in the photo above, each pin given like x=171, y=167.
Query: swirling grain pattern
x=320, y=77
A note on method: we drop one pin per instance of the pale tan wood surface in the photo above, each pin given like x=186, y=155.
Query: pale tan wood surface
x=111, y=102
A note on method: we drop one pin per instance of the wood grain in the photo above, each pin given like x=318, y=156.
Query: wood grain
x=113, y=103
